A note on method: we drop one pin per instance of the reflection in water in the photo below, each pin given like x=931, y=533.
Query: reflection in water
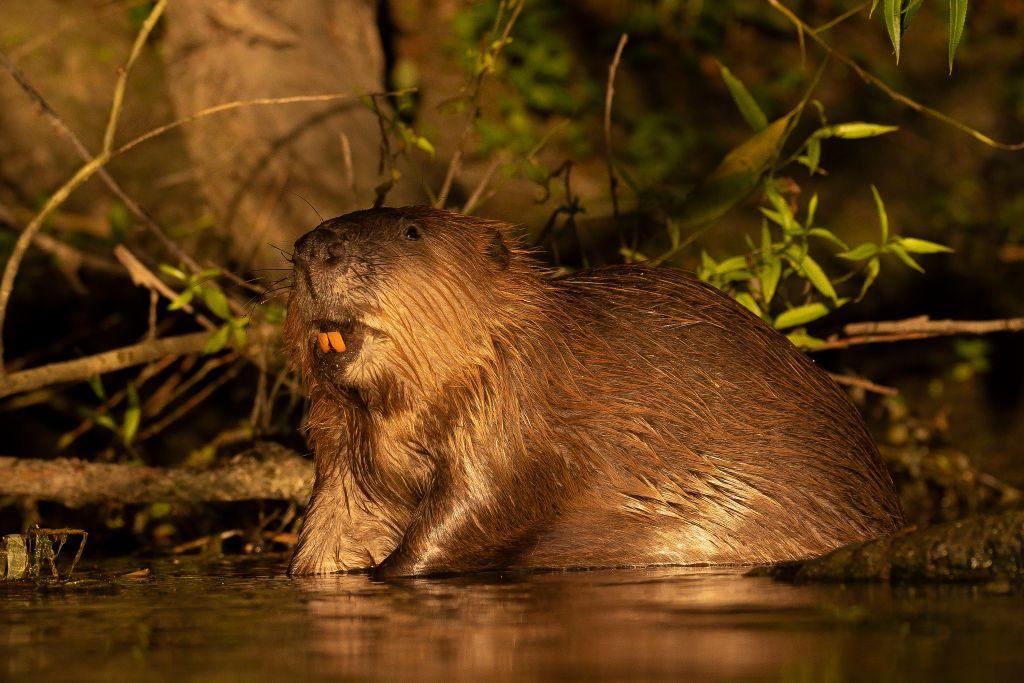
x=243, y=619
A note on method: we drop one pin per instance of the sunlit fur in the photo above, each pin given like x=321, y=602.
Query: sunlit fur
x=496, y=416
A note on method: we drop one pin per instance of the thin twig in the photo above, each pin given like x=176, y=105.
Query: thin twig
x=493, y=49
x=863, y=383
x=238, y=104
x=893, y=94
x=609, y=155
x=915, y=328
x=125, y=71
x=144, y=277
x=938, y=327
x=194, y=400
x=481, y=187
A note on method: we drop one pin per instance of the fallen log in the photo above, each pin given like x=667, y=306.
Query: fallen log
x=987, y=548
x=267, y=471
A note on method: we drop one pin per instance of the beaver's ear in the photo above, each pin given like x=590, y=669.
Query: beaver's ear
x=497, y=250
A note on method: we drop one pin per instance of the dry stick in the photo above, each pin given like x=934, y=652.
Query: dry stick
x=108, y=361
x=255, y=102
x=193, y=401
x=481, y=187
x=873, y=80
x=924, y=324
x=268, y=472
x=142, y=276
x=863, y=383
x=455, y=164
x=609, y=95
x=122, y=79
x=915, y=328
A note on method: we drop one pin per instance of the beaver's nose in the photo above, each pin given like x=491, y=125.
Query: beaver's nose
x=318, y=245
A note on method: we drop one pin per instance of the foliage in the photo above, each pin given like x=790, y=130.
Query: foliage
x=897, y=15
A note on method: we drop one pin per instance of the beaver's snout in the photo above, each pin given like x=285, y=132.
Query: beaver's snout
x=320, y=245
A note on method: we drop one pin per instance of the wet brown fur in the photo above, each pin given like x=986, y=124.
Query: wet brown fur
x=498, y=417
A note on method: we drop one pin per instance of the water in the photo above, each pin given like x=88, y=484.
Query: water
x=242, y=619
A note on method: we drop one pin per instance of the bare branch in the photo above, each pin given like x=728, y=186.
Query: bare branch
x=922, y=324
x=268, y=471
x=125, y=71
x=863, y=383
x=109, y=361
x=915, y=328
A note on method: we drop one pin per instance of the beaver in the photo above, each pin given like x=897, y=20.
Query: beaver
x=471, y=411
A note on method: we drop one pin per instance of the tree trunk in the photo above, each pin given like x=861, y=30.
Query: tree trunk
x=254, y=161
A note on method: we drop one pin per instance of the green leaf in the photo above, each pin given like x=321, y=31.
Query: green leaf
x=672, y=228
x=957, y=19
x=735, y=177
x=239, y=336
x=916, y=246
x=873, y=267
x=771, y=273
x=804, y=340
x=813, y=158
x=181, y=300
x=860, y=252
x=218, y=340
x=731, y=264
x=855, y=130
x=132, y=416
x=874, y=5
x=902, y=255
x=707, y=262
x=425, y=145
x=818, y=278
x=891, y=10
x=119, y=220
x=812, y=208
x=828, y=236
x=748, y=303
x=105, y=421
x=752, y=113
x=216, y=302
x=883, y=217
x=801, y=315
x=96, y=384
x=173, y=272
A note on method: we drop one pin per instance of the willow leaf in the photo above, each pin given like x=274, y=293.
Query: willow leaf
x=957, y=19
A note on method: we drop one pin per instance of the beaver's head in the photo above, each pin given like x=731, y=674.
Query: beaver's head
x=399, y=297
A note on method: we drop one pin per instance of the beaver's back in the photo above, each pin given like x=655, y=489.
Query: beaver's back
x=720, y=442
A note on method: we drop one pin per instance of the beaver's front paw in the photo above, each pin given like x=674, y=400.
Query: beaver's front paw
x=305, y=564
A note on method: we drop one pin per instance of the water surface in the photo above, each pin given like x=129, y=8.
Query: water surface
x=242, y=619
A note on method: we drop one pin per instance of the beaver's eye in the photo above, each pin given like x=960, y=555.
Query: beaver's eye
x=412, y=233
